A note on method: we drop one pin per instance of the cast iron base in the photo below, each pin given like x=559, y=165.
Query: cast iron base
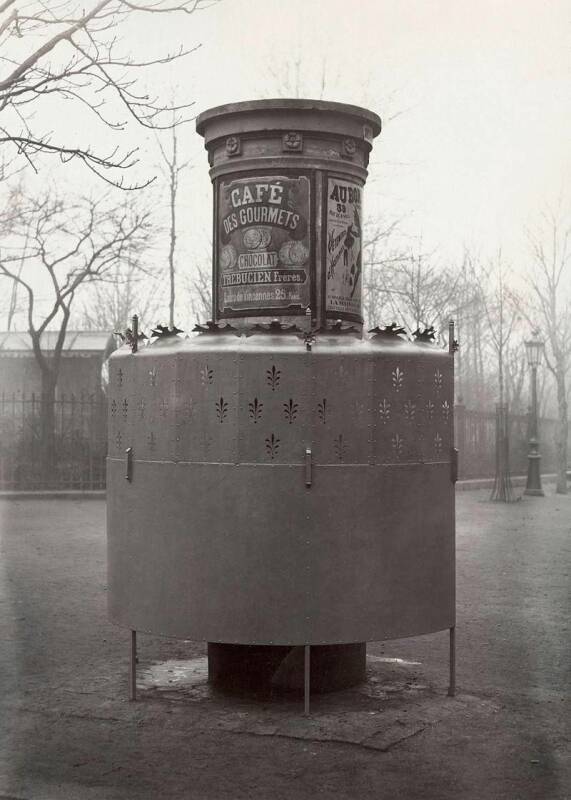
x=262, y=669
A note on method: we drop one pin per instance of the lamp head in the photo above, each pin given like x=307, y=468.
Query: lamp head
x=534, y=349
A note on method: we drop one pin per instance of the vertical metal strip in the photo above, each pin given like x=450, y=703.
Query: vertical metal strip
x=452, y=684
x=308, y=477
x=133, y=667
x=319, y=244
x=306, y=679
x=451, y=337
x=129, y=464
x=215, y=203
x=135, y=333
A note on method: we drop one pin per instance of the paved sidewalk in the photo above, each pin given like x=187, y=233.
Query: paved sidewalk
x=68, y=731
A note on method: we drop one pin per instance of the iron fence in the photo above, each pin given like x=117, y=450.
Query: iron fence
x=475, y=433
x=80, y=443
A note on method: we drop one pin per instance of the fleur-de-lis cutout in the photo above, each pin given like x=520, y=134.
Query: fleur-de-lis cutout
x=206, y=375
x=438, y=444
x=445, y=410
x=113, y=408
x=255, y=408
x=438, y=380
x=384, y=411
x=125, y=407
x=153, y=376
x=118, y=440
x=322, y=411
x=272, y=446
x=397, y=378
x=397, y=443
x=188, y=407
x=152, y=441
x=429, y=409
x=221, y=409
x=273, y=377
x=163, y=407
x=409, y=411
x=119, y=377
x=340, y=447
x=290, y=410
x=142, y=408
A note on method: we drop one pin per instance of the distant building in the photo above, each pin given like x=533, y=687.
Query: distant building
x=82, y=369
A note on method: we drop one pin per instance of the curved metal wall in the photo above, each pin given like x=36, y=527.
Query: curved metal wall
x=218, y=537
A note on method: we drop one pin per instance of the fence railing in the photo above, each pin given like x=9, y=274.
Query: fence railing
x=475, y=433
x=80, y=443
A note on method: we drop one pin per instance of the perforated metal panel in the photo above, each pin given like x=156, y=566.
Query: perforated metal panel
x=207, y=407
x=412, y=408
x=341, y=408
x=274, y=405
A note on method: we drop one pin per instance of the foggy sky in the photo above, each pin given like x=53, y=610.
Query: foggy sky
x=475, y=98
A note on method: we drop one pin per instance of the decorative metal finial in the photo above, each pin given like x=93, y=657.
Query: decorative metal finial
x=390, y=333
x=453, y=344
x=309, y=336
x=131, y=336
x=214, y=327
x=164, y=332
x=135, y=342
x=425, y=335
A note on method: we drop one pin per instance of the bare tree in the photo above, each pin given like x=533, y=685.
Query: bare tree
x=128, y=289
x=198, y=287
x=550, y=306
x=173, y=168
x=515, y=368
x=500, y=307
x=66, y=52
x=418, y=291
x=69, y=246
x=378, y=258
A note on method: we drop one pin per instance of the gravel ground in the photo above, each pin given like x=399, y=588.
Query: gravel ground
x=68, y=731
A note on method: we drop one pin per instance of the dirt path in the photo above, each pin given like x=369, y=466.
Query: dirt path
x=67, y=730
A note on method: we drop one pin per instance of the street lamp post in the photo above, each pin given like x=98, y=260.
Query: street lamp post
x=534, y=350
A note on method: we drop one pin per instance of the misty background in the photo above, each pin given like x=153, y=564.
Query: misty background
x=467, y=202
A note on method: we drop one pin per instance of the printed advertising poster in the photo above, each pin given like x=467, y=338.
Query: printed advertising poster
x=343, y=288
x=263, y=243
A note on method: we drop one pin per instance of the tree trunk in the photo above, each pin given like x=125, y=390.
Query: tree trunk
x=47, y=430
x=562, y=431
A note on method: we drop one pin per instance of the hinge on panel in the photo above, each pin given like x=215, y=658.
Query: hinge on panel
x=129, y=464
x=454, y=465
x=308, y=466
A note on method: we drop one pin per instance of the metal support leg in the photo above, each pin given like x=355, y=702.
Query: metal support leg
x=452, y=684
x=306, y=679
x=133, y=667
